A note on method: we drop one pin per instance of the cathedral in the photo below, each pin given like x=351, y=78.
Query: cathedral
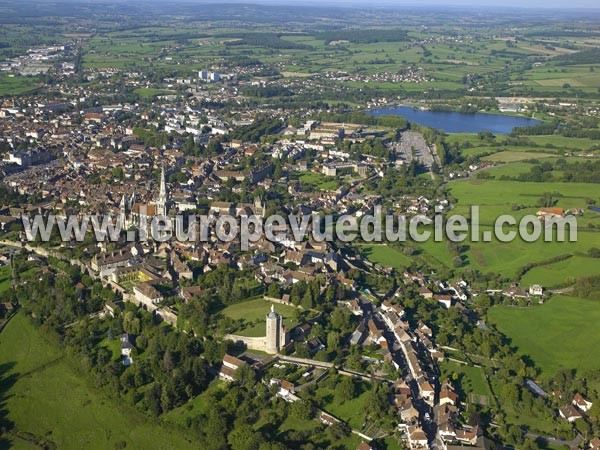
x=134, y=213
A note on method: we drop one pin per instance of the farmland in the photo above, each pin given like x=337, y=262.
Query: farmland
x=558, y=334
x=16, y=85
x=499, y=197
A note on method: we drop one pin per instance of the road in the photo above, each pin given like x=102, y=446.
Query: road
x=429, y=426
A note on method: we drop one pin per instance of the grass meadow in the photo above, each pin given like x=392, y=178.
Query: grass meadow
x=556, y=335
x=471, y=379
x=47, y=400
x=254, y=312
x=386, y=255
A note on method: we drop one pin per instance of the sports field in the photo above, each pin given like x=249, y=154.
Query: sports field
x=48, y=402
x=559, y=334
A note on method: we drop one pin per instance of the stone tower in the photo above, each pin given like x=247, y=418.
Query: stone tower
x=259, y=207
x=123, y=211
x=161, y=202
x=274, y=331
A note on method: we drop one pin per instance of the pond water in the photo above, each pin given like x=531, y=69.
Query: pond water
x=456, y=122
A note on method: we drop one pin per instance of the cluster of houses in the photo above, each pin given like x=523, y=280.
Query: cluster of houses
x=82, y=159
x=575, y=410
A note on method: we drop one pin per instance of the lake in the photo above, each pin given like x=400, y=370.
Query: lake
x=456, y=122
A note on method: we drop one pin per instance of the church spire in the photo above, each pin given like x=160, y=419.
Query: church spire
x=161, y=202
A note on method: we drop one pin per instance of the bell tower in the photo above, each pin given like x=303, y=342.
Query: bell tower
x=161, y=202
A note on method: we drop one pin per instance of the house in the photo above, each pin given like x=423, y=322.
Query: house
x=229, y=366
x=327, y=419
x=468, y=435
x=354, y=307
x=425, y=329
x=550, y=213
x=189, y=293
x=147, y=295
x=515, y=292
x=408, y=413
x=398, y=309
x=444, y=300
x=314, y=345
x=358, y=334
x=558, y=394
x=581, y=402
x=447, y=395
x=536, y=289
x=570, y=413
x=595, y=444
x=6, y=307
x=386, y=306
x=126, y=349
x=426, y=390
x=365, y=446
x=109, y=309
x=416, y=437
x=481, y=443
x=375, y=333
x=446, y=422
x=286, y=390
x=425, y=292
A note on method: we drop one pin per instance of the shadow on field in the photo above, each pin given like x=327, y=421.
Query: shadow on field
x=6, y=382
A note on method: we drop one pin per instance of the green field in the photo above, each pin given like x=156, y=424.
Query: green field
x=554, y=275
x=292, y=424
x=386, y=255
x=47, y=400
x=150, y=92
x=351, y=411
x=508, y=156
x=4, y=278
x=253, y=312
x=198, y=405
x=471, y=379
x=16, y=85
x=318, y=181
x=549, y=143
x=559, y=334
x=496, y=198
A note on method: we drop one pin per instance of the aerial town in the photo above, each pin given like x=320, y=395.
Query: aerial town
x=299, y=343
